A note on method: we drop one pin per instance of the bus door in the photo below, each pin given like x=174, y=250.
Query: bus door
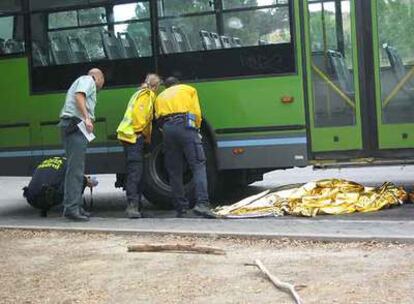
x=393, y=48
x=332, y=77
x=360, y=78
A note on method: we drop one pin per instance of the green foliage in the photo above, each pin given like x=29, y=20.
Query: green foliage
x=271, y=25
x=395, y=27
x=179, y=7
x=141, y=31
x=250, y=26
x=329, y=24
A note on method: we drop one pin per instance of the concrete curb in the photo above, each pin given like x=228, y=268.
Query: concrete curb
x=338, y=237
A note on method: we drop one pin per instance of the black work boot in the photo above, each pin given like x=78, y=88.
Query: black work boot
x=185, y=213
x=84, y=212
x=132, y=210
x=75, y=216
x=180, y=213
x=203, y=210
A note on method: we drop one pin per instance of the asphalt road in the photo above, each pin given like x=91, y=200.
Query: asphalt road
x=110, y=202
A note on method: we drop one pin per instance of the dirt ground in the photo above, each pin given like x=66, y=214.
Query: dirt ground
x=62, y=267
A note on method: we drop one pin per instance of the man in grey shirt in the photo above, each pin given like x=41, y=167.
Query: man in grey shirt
x=79, y=106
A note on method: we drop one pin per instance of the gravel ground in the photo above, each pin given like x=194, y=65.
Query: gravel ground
x=63, y=267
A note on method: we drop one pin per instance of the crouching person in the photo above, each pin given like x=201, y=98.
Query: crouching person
x=46, y=188
x=133, y=132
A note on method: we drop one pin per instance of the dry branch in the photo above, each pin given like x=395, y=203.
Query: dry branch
x=175, y=248
x=286, y=287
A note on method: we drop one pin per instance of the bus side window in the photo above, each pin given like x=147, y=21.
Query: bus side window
x=11, y=35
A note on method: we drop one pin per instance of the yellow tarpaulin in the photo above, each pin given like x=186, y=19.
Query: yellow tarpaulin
x=328, y=196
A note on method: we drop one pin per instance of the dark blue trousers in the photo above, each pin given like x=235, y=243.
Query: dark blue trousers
x=180, y=142
x=134, y=154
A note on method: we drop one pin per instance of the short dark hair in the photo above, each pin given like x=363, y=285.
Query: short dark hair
x=170, y=81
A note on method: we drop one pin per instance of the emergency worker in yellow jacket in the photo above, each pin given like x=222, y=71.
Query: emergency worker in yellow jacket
x=134, y=131
x=177, y=109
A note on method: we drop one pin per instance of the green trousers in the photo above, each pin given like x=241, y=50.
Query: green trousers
x=75, y=145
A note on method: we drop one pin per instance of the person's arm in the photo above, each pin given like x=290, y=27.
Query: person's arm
x=81, y=104
x=150, y=116
x=156, y=108
x=142, y=117
x=140, y=111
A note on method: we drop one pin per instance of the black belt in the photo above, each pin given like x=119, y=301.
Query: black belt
x=72, y=118
x=171, y=117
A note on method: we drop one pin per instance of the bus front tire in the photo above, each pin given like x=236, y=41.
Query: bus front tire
x=157, y=189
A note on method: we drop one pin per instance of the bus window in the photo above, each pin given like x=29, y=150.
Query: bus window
x=190, y=28
x=11, y=35
x=133, y=28
x=240, y=24
x=77, y=35
x=253, y=39
x=90, y=16
x=258, y=26
x=229, y=4
x=68, y=37
x=87, y=34
x=250, y=37
x=332, y=63
x=77, y=18
x=63, y=19
x=180, y=25
x=178, y=7
x=323, y=26
x=396, y=45
x=60, y=41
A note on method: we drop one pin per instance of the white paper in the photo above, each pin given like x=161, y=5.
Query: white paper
x=82, y=128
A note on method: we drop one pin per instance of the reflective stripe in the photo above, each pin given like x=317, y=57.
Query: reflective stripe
x=116, y=149
x=29, y=153
x=262, y=142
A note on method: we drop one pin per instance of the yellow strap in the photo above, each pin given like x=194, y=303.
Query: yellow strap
x=398, y=87
x=334, y=86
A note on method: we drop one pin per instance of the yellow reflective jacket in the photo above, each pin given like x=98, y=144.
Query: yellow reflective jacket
x=138, y=116
x=179, y=98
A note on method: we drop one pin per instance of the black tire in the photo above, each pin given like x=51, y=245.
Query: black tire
x=157, y=188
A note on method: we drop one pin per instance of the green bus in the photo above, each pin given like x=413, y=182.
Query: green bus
x=282, y=83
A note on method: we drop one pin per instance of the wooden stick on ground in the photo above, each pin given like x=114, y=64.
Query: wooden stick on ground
x=175, y=247
x=286, y=287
